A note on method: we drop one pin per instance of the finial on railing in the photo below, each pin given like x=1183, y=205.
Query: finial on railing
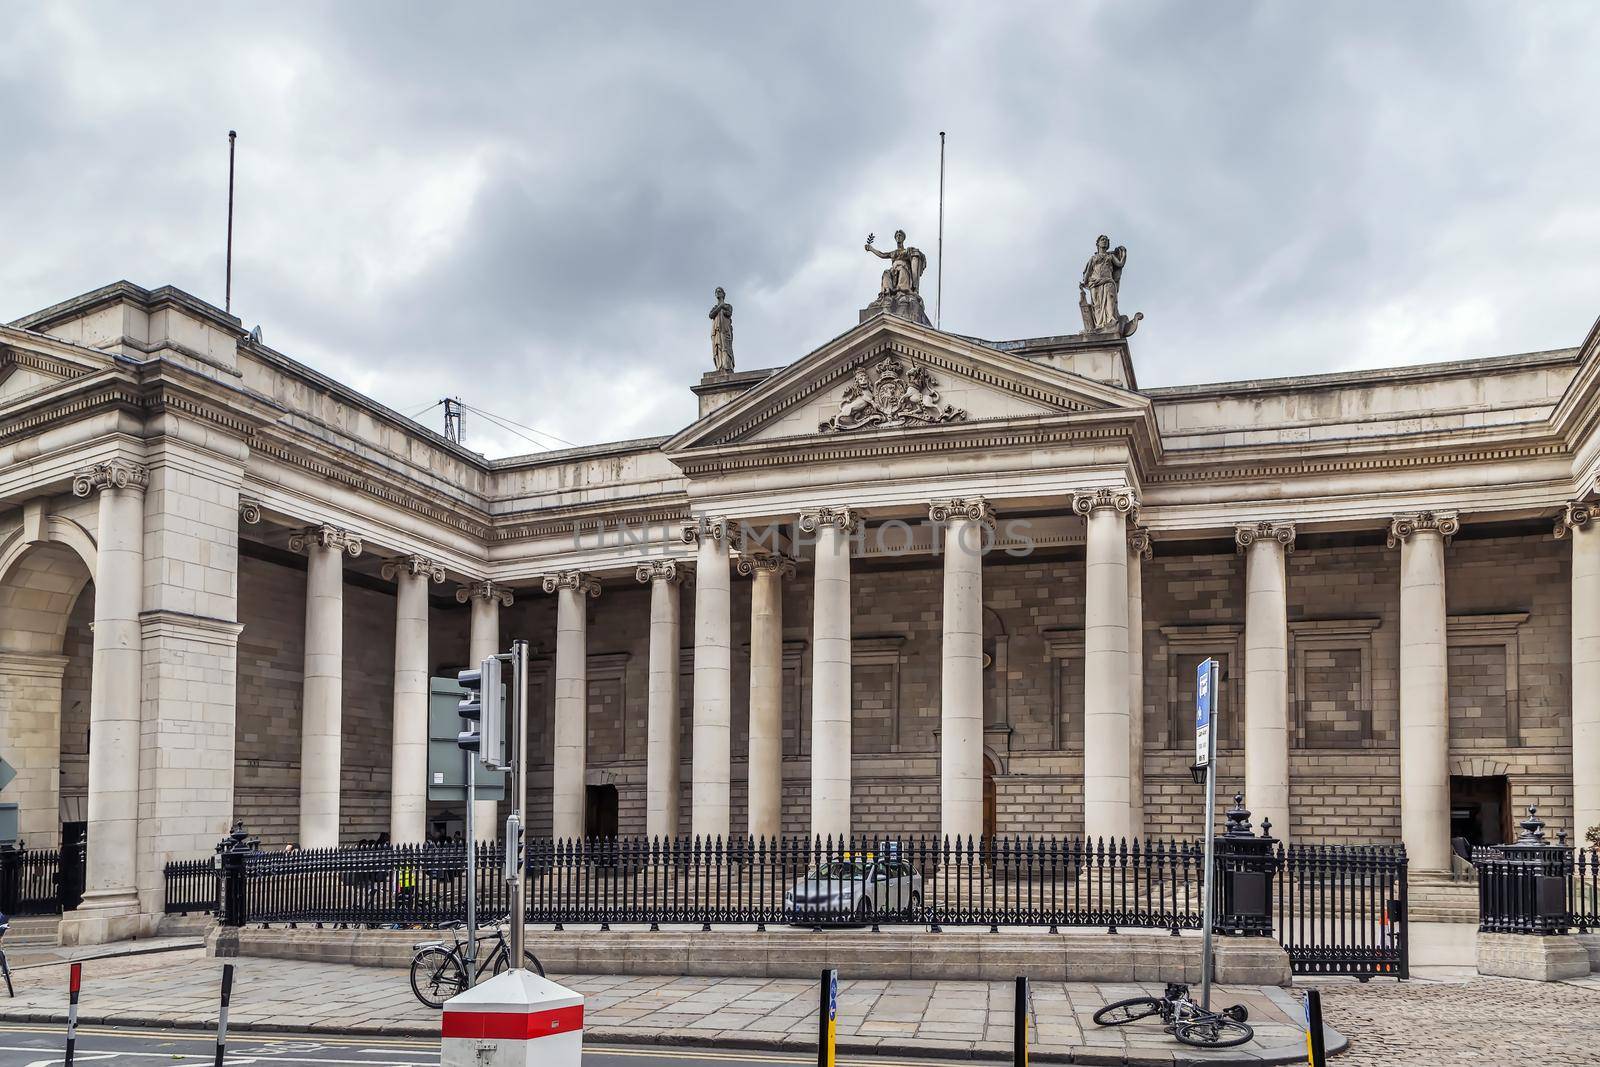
x=1266, y=827
x=1238, y=818
x=1532, y=828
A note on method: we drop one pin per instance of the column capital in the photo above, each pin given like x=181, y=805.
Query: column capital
x=325, y=536
x=972, y=508
x=1445, y=523
x=1140, y=542
x=1248, y=533
x=1575, y=515
x=485, y=590
x=112, y=474
x=249, y=511
x=671, y=571
x=415, y=566
x=715, y=527
x=578, y=580
x=758, y=563
x=1118, y=498
x=845, y=518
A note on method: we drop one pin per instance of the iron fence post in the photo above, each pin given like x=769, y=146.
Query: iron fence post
x=1525, y=890
x=235, y=850
x=1244, y=869
x=11, y=875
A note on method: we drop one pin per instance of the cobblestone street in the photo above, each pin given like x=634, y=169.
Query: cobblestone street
x=1498, y=1021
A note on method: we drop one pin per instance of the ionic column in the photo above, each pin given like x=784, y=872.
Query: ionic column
x=711, y=762
x=567, y=801
x=1107, y=788
x=321, y=711
x=965, y=524
x=1266, y=669
x=115, y=687
x=408, y=761
x=483, y=640
x=1578, y=519
x=1139, y=550
x=830, y=670
x=766, y=690
x=661, y=744
x=1424, y=688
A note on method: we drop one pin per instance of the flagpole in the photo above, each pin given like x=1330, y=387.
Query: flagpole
x=227, y=298
x=938, y=295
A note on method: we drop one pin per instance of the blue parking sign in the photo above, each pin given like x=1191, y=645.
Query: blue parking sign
x=1203, y=697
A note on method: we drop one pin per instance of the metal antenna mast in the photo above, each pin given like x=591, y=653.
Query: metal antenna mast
x=452, y=418
x=227, y=297
x=938, y=290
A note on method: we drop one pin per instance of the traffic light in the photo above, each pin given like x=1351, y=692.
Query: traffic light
x=483, y=706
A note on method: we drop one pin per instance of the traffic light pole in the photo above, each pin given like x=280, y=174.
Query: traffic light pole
x=471, y=951
x=517, y=749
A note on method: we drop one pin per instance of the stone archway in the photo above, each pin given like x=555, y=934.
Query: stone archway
x=42, y=581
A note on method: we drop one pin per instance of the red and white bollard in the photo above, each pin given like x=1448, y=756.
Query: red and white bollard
x=515, y=1019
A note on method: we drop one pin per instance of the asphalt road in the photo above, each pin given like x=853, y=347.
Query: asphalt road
x=29, y=1045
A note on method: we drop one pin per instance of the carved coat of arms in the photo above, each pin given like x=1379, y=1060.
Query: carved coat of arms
x=893, y=395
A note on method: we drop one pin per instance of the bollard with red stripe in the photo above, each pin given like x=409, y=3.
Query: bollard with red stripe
x=74, y=983
x=515, y=1019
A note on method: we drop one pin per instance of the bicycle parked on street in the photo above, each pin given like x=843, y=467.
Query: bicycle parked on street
x=1183, y=1018
x=439, y=969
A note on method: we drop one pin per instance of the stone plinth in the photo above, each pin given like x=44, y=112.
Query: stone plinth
x=1537, y=959
x=1249, y=961
x=906, y=305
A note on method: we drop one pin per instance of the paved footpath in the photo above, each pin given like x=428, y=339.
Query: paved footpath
x=1438, y=1019
x=926, y=1019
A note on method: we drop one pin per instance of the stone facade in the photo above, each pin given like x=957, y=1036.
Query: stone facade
x=214, y=562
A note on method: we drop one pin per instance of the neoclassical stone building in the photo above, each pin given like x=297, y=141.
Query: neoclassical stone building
x=912, y=582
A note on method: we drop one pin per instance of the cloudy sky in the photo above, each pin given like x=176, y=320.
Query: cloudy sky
x=529, y=206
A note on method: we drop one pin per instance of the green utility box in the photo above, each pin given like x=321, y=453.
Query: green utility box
x=446, y=762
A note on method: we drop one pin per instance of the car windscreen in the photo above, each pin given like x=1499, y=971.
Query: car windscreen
x=839, y=869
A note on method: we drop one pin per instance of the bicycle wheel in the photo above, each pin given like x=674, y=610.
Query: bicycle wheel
x=1127, y=1011
x=436, y=976
x=529, y=962
x=1213, y=1031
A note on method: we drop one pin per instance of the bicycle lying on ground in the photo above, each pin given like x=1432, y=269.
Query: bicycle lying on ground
x=1183, y=1018
x=439, y=970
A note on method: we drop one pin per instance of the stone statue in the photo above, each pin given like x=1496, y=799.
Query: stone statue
x=906, y=265
x=1097, y=293
x=899, y=290
x=722, y=333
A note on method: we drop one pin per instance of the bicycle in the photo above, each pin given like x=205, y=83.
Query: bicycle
x=1183, y=1018
x=439, y=973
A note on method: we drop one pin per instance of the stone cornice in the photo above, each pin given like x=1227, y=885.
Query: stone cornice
x=769, y=563
x=671, y=571
x=1575, y=515
x=324, y=535
x=113, y=474
x=973, y=509
x=576, y=580
x=413, y=565
x=1403, y=527
x=1118, y=498
x=1339, y=460
x=843, y=518
x=1248, y=533
x=45, y=364
x=569, y=520
x=485, y=590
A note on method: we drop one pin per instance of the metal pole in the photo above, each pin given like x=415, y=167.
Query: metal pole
x=471, y=952
x=74, y=984
x=518, y=747
x=938, y=292
x=1019, y=1024
x=222, y=1013
x=1206, y=907
x=227, y=298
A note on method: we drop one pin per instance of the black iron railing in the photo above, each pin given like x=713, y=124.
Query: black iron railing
x=1528, y=886
x=1584, y=902
x=1341, y=909
x=30, y=881
x=192, y=887
x=1047, y=882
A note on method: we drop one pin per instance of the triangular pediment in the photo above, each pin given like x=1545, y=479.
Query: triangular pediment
x=29, y=368
x=891, y=375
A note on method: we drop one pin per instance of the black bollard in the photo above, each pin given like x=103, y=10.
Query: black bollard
x=1316, y=1051
x=222, y=1012
x=828, y=1019
x=1019, y=1024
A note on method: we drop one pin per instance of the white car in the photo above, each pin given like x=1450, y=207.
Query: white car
x=862, y=888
